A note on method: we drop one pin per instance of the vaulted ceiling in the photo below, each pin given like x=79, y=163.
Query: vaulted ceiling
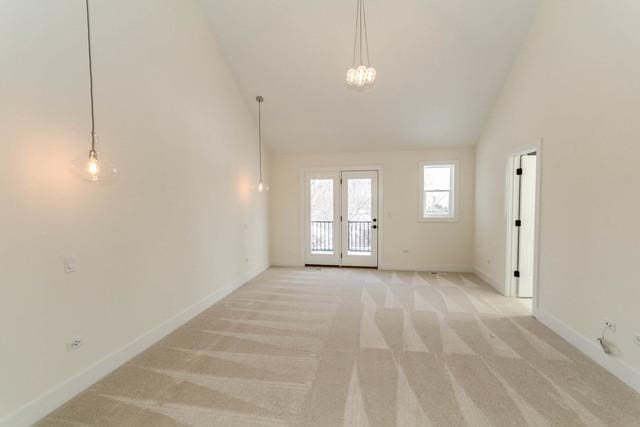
x=440, y=64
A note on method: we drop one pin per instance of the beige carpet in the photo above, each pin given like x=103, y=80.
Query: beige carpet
x=358, y=347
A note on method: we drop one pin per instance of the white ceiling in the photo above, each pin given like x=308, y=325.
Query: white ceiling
x=440, y=66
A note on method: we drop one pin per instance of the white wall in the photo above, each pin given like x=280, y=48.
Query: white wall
x=576, y=85
x=431, y=245
x=184, y=220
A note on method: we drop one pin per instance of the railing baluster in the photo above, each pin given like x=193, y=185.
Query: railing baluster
x=358, y=233
x=322, y=236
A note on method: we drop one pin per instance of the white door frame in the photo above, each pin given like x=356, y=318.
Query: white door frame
x=339, y=169
x=510, y=216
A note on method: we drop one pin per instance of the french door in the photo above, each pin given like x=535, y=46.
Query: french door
x=359, y=216
x=341, y=218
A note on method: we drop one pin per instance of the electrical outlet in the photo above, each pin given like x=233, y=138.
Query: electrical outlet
x=636, y=338
x=610, y=324
x=74, y=345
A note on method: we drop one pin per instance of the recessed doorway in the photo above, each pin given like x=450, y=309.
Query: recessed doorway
x=522, y=224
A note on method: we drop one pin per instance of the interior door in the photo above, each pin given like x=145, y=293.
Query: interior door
x=526, y=225
x=322, y=218
x=359, y=218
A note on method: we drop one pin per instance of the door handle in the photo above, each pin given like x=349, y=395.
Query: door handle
x=374, y=226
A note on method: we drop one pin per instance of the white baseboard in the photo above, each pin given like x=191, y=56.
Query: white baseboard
x=588, y=346
x=490, y=280
x=442, y=268
x=286, y=264
x=58, y=395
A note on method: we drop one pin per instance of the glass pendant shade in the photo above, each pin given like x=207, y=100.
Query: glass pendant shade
x=370, y=76
x=94, y=167
x=361, y=76
x=351, y=76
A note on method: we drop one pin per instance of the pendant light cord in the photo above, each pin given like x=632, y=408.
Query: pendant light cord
x=260, y=137
x=355, y=34
x=361, y=5
x=360, y=26
x=366, y=36
x=93, y=121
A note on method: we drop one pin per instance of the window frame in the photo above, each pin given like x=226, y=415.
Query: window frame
x=453, y=192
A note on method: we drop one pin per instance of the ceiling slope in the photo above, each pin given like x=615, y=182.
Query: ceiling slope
x=440, y=63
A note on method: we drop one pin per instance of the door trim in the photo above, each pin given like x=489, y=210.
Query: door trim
x=340, y=169
x=510, y=285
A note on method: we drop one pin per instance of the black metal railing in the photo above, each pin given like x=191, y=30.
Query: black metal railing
x=359, y=236
x=322, y=236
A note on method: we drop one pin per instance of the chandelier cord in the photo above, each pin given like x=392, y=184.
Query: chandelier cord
x=366, y=36
x=361, y=5
x=93, y=121
x=355, y=36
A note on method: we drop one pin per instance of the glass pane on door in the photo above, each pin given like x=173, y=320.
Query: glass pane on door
x=359, y=216
x=321, y=221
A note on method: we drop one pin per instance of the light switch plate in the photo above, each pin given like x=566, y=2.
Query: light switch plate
x=70, y=264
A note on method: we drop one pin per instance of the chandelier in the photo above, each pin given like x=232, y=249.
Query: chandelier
x=361, y=75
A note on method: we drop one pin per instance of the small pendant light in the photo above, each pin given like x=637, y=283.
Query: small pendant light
x=261, y=185
x=94, y=167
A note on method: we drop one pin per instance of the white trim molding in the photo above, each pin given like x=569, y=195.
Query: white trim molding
x=453, y=191
x=499, y=287
x=38, y=408
x=589, y=347
x=509, y=285
x=438, y=268
x=302, y=205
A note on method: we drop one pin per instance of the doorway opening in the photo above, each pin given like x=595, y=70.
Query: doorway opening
x=341, y=218
x=522, y=225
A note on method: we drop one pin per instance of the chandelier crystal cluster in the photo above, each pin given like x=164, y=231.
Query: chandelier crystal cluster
x=361, y=75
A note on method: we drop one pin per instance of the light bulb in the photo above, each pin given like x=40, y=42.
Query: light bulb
x=92, y=165
x=96, y=167
x=370, y=75
x=260, y=186
x=351, y=76
x=361, y=74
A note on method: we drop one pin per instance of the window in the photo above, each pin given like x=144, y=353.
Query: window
x=438, y=191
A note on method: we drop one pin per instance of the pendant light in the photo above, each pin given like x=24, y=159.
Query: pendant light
x=261, y=185
x=94, y=167
x=361, y=75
